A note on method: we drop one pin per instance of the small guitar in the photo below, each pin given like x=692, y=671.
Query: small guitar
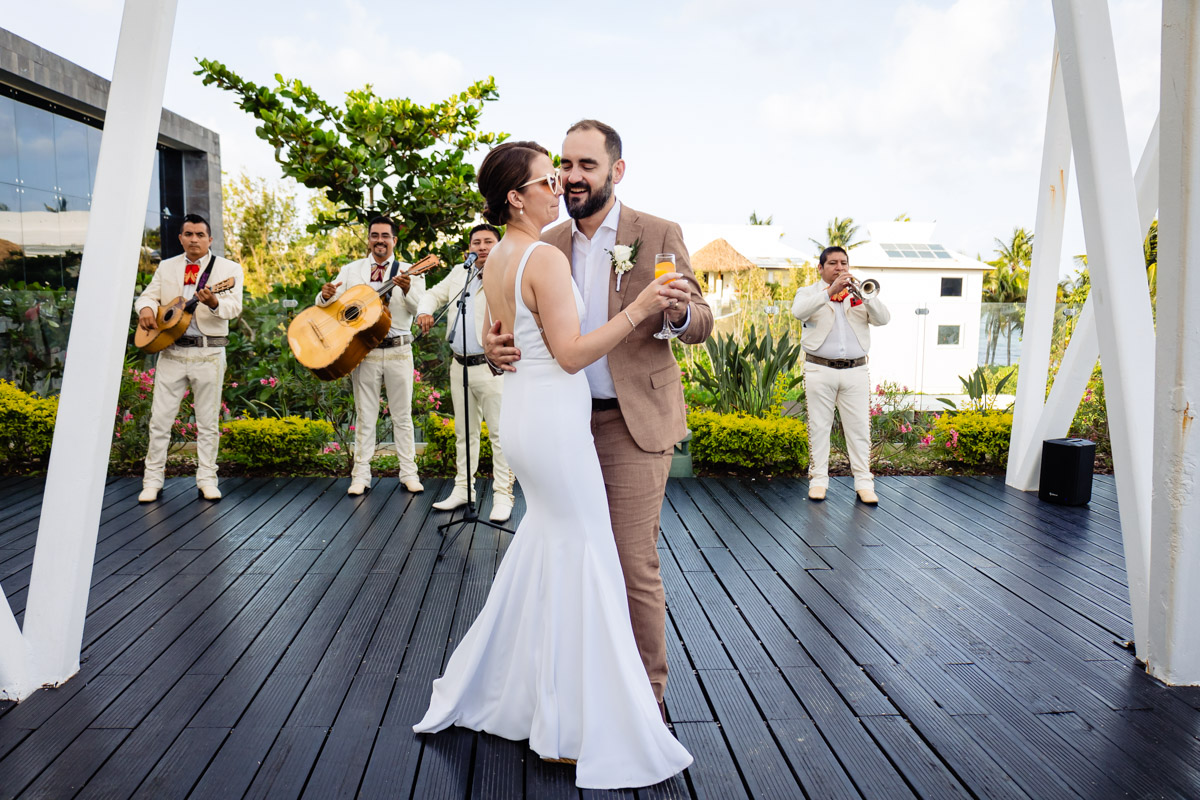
x=331, y=340
x=173, y=319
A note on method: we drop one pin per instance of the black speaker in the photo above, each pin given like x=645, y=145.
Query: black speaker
x=1067, y=471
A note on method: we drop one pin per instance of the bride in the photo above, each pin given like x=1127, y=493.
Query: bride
x=551, y=657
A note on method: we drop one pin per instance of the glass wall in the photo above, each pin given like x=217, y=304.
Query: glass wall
x=47, y=168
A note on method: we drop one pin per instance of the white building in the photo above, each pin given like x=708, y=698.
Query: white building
x=934, y=295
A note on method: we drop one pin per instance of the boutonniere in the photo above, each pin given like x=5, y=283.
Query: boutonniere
x=622, y=257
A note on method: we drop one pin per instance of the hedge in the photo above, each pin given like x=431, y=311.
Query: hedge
x=440, y=457
x=26, y=425
x=775, y=444
x=274, y=442
x=975, y=438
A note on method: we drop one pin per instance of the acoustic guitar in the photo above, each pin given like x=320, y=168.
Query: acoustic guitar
x=173, y=319
x=331, y=340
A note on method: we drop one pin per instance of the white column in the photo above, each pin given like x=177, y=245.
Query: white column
x=1174, y=651
x=1084, y=348
x=1034, y=368
x=1122, y=299
x=66, y=544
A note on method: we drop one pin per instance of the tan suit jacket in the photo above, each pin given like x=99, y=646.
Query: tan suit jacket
x=643, y=368
x=812, y=308
x=167, y=284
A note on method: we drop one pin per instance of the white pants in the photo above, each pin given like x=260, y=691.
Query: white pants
x=486, y=391
x=392, y=367
x=201, y=369
x=850, y=391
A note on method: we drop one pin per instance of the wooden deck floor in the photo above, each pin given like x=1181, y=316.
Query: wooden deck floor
x=959, y=640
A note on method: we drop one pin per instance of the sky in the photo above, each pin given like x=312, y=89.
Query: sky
x=801, y=110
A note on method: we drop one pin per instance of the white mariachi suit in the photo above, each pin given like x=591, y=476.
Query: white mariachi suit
x=202, y=369
x=485, y=388
x=826, y=387
x=390, y=366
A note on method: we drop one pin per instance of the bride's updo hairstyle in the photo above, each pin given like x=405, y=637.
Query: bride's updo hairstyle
x=505, y=168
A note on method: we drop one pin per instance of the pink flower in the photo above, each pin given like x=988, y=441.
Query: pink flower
x=385, y=411
x=416, y=375
x=953, y=443
x=351, y=427
x=263, y=381
x=234, y=384
x=927, y=440
x=128, y=417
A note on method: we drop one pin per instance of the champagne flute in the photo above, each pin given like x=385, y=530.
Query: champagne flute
x=664, y=263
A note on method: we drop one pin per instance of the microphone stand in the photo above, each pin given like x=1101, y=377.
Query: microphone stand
x=470, y=515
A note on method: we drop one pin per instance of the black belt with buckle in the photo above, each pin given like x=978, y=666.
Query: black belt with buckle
x=604, y=404
x=202, y=341
x=836, y=363
x=470, y=361
x=395, y=341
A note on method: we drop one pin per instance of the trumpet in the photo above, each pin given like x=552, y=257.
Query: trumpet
x=863, y=290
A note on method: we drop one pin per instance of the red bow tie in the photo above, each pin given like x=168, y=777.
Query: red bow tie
x=377, y=271
x=190, y=273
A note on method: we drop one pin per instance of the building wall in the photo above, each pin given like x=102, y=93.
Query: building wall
x=907, y=351
x=51, y=112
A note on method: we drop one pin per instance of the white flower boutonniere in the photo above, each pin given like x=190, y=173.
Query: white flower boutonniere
x=622, y=257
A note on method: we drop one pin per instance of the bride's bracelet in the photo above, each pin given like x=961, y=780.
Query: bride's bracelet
x=631, y=322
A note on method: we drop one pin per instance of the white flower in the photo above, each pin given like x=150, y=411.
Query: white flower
x=622, y=257
x=623, y=254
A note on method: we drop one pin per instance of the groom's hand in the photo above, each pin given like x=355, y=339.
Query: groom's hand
x=498, y=350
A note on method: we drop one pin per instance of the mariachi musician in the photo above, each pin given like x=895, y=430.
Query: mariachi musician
x=196, y=360
x=390, y=363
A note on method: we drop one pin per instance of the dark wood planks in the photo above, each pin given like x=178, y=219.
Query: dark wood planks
x=955, y=641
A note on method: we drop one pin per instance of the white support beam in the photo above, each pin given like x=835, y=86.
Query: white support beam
x=1034, y=367
x=1174, y=651
x=1079, y=360
x=70, y=519
x=1122, y=299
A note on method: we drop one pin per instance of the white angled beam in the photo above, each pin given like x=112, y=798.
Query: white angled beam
x=1084, y=348
x=1034, y=367
x=1174, y=651
x=66, y=544
x=1122, y=298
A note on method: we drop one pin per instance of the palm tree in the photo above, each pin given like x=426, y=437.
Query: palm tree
x=1008, y=283
x=839, y=232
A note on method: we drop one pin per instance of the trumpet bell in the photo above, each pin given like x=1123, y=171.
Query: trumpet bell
x=868, y=289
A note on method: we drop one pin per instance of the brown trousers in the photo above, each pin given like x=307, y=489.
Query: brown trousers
x=636, y=482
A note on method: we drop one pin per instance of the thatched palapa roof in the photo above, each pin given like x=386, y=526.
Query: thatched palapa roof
x=719, y=256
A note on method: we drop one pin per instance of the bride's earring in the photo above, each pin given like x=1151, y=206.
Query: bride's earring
x=521, y=211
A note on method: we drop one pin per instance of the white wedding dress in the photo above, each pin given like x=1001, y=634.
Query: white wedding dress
x=551, y=657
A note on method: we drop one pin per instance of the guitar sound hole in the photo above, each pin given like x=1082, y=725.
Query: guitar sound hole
x=351, y=313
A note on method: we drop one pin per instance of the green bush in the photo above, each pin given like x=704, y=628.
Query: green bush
x=778, y=444
x=752, y=378
x=275, y=442
x=439, y=456
x=26, y=425
x=975, y=438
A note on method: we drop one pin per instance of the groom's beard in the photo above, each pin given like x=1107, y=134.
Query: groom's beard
x=582, y=208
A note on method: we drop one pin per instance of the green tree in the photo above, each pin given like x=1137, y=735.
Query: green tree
x=1007, y=286
x=374, y=155
x=755, y=219
x=839, y=232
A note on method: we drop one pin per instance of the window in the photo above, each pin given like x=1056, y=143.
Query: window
x=948, y=335
x=952, y=287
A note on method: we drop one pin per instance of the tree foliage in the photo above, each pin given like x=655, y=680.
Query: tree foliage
x=839, y=232
x=374, y=155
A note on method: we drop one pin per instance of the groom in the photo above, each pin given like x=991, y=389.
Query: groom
x=637, y=396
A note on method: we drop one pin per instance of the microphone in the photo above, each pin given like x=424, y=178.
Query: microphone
x=470, y=262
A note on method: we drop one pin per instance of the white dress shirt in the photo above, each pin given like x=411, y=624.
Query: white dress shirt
x=841, y=341
x=591, y=265
x=473, y=347
x=189, y=291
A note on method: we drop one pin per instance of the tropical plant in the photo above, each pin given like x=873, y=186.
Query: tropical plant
x=982, y=394
x=375, y=154
x=1005, y=288
x=755, y=219
x=839, y=232
x=749, y=378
